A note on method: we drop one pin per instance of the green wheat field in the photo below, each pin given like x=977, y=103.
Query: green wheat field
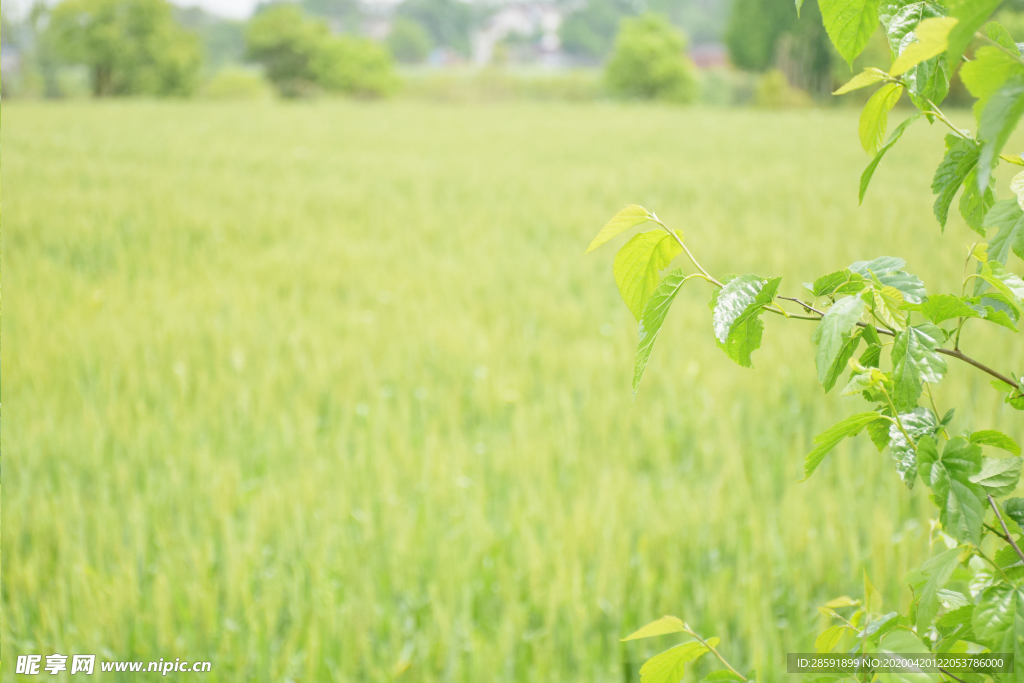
x=329, y=392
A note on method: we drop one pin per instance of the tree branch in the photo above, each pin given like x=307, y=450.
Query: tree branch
x=711, y=647
x=1002, y=523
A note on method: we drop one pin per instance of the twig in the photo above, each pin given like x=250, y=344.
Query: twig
x=715, y=652
x=1002, y=523
x=996, y=531
x=950, y=675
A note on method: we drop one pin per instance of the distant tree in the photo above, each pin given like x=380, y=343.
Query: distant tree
x=447, y=21
x=132, y=47
x=409, y=42
x=341, y=15
x=356, y=66
x=285, y=41
x=222, y=39
x=648, y=61
x=589, y=31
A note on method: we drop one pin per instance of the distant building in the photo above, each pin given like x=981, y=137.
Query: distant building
x=534, y=25
x=710, y=55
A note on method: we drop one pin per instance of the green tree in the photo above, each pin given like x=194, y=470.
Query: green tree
x=447, y=21
x=968, y=597
x=649, y=61
x=286, y=41
x=132, y=47
x=355, y=66
x=408, y=41
x=589, y=31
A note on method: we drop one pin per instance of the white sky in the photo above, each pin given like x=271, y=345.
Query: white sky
x=234, y=9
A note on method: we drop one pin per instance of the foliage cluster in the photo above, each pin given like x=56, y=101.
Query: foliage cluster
x=301, y=56
x=970, y=596
x=649, y=61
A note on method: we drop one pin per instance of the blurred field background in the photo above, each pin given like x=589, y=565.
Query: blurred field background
x=328, y=391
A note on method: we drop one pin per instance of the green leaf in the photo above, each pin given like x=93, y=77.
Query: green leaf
x=874, y=118
x=998, y=119
x=1008, y=286
x=668, y=667
x=1014, y=509
x=997, y=33
x=960, y=461
x=919, y=423
x=630, y=217
x=938, y=570
x=897, y=642
x=722, y=675
x=995, y=614
x=915, y=360
x=872, y=355
x=942, y=307
x=849, y=24
x=868, y=76
x=736, y=316
x=865, y=177
x=835, y=339
x=826, y=284
x=995, y=439
x=932, y=40
x=830, y=438
x=889, y=273
x=970, y=15
x=799, y=4
x=975, y=204
x=667, y=624
x=998, y=476
x=960, y=159
x=637, y=265
x=829, y=638
x=901, y=18
x=989, y=69
x=963, y=515
x=1008, y=218
x=653, y=319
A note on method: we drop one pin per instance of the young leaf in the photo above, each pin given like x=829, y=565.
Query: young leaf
x=974, y=203
x=637, y=265
x=903, y=17
x=826, y=284
x=998, y=119
x=867, y=77
x=865, y=177
x=938, y=570
x=932, y=40
x=667, y=624
x=963, y=514
x=989, y=69
x=829, y=638
x=970, y=15
x=995, y=439
x=995, y=615
x=835, y=340
x=1009, y=286
x=874, y=118
x=630, y=217
x=652, y=320
x=919, y=423
x=849, y=23
x=736, y=316
x=915, y=360
x=830, y=438
x=960, y=159
x=668, y=667
x=1008, y=218
x=997, y=33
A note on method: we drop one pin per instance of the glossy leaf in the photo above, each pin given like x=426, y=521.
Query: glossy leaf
x=919, y=423
x=995, y=439
x=998, y=476
x=736, y=318
x=835, y=339
x=638, y=264
x=932, y=40
x=916, y=360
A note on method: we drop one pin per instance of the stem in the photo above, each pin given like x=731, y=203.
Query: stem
x=713, y=651
x=942, y=117
x=977, y=551
x=996, y=531
x=946, y=673
x=1002, y=523
x=959, y=355
x=699, y=267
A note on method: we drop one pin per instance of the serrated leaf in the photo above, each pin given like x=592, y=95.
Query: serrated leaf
x=1009, y=287
x=960, y=461
x=868, y=76
x=960, y=159
x=998, y=119
x=638, y=264
x=1008, y=219
x=916, y=360
x=938, y=570
x=974, y=203
x=736, y=320
x=653, y=319
x=835, y=339
x=865, y=177
x=997, y=33
x=874, y=118
x=830, y=438
x=942, y=307
x=829, y=638
x=995, y=439
x=659, y=627
x=886, y=305
x=826, y=284
x=963, y=515
x=970, y=16
x=983, y=75
x=883, y=265
x=932, y=40
x=630, y=217
x=849, y=24
x=919, y=423
x=668, y=667
x=995, y=614
x=1014, y=509
x=998, y=476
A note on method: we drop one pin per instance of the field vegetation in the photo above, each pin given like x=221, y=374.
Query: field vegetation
x=327, y=391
